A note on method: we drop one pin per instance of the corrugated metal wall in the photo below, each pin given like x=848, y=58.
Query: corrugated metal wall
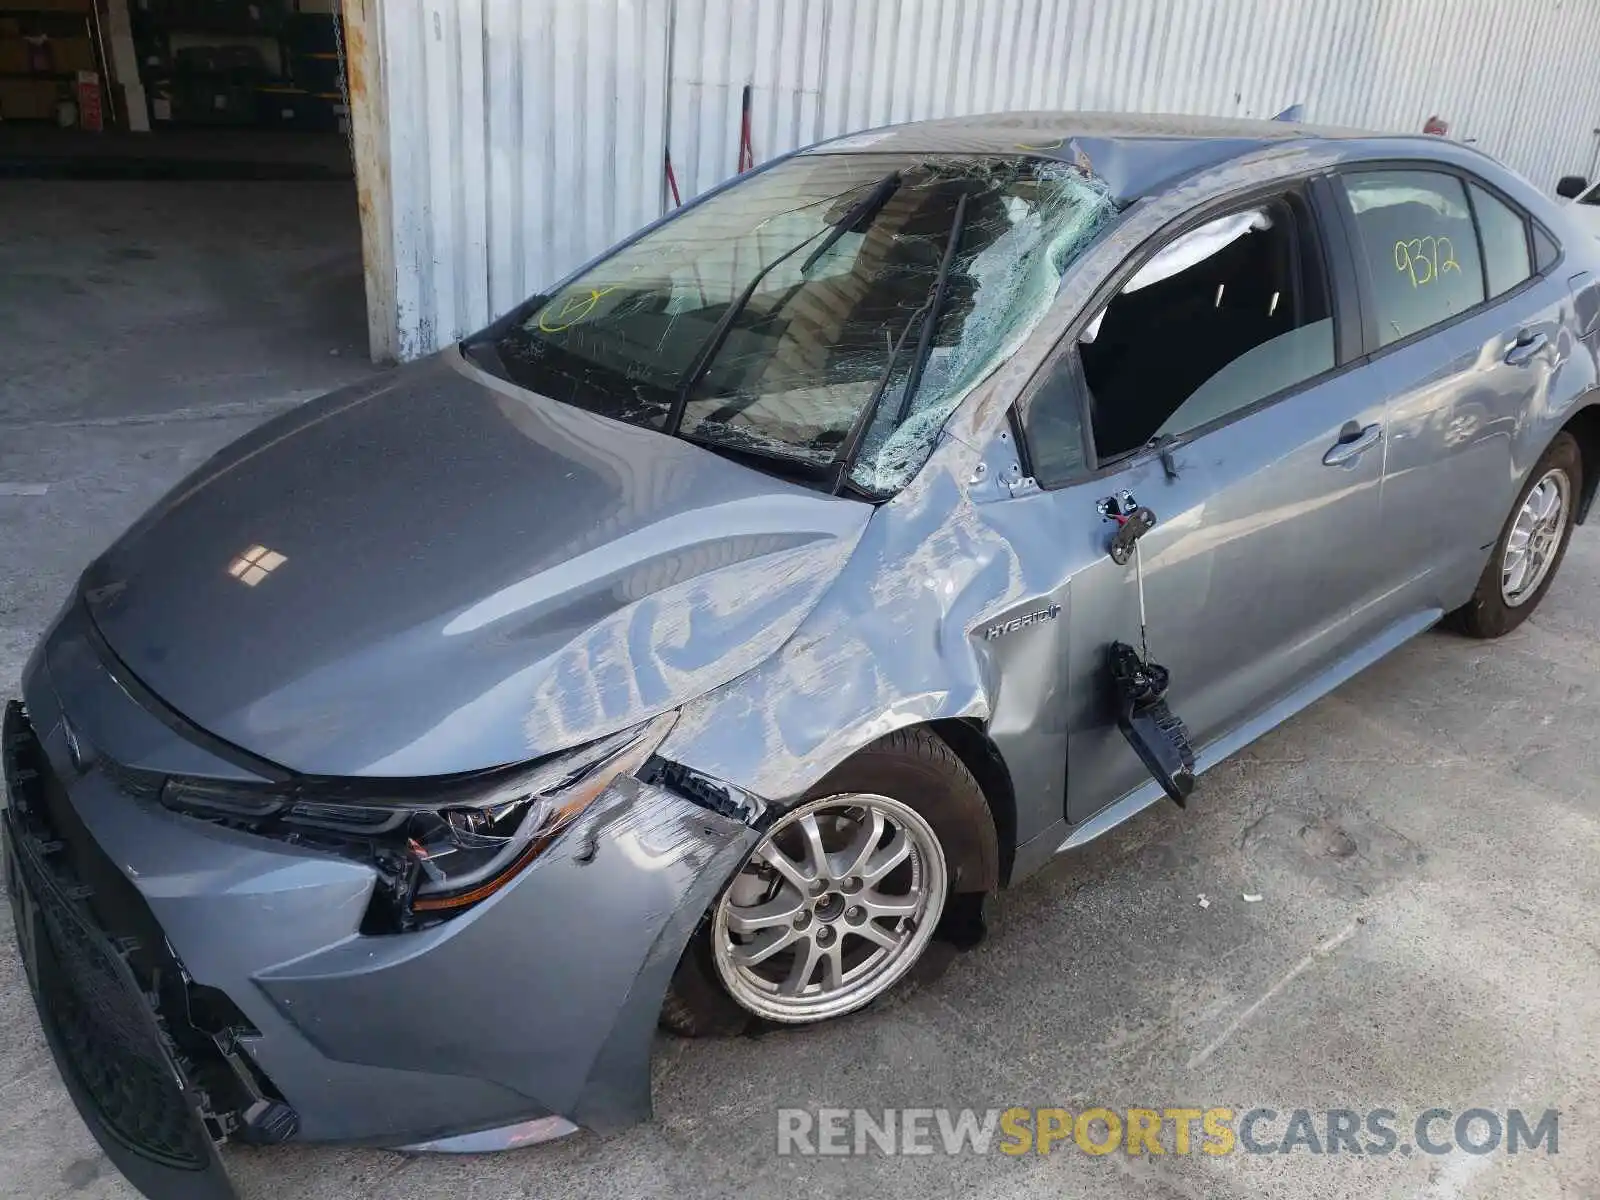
x=527, y=135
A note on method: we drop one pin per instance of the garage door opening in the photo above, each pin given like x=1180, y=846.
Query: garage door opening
x=179, y=227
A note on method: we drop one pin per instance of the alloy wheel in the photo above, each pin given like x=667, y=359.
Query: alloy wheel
x=1535, y=537
x=833, y=906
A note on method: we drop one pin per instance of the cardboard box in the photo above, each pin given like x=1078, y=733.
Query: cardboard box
x=71, y=55
x=55, y=56
x=28, y=99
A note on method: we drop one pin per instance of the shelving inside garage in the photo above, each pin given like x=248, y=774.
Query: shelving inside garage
x=51, y=59
x=240, y=63
x=140, y=65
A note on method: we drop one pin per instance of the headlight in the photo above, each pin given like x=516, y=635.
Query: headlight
x=439, y=845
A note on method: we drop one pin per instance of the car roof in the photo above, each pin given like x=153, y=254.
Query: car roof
x=1134, y=153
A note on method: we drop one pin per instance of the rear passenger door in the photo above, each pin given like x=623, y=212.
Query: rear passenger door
x=1462, y=343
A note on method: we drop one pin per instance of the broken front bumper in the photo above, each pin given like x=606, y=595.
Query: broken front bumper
x=118, y=1063
x=539, y=1003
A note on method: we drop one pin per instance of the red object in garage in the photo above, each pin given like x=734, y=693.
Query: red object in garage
x=90, y=115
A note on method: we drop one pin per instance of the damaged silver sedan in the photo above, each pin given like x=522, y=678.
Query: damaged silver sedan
x=702, y=642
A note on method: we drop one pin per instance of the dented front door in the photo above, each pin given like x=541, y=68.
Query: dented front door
x=1264, y=569
x=1104, y=608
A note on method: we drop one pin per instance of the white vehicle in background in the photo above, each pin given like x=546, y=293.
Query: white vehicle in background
x=1583, y=199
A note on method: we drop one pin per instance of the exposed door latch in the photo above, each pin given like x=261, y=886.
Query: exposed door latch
x=1117, y=505
x=1125, y=544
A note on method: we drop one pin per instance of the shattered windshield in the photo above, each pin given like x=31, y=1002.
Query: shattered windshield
x=783, y=319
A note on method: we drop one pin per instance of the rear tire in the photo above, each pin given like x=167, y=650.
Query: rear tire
x=910, y=769
x=1530, y=548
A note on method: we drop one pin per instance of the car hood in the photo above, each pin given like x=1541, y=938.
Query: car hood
x=440, y=572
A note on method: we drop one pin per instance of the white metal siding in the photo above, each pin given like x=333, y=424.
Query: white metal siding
x=524, y=135
x=527, y=135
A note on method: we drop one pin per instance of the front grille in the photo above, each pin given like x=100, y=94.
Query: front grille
x=103, y=1025
x=107, y=1034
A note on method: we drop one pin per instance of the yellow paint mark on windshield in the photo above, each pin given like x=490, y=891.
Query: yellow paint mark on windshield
x=1420, y=259
x=575, y=307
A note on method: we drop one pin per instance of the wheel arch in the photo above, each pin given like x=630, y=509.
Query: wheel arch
x=970, y=742
x=1584, y=426
x=966, y=740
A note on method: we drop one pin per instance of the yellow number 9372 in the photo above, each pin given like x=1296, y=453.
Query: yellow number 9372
x=1424, y=259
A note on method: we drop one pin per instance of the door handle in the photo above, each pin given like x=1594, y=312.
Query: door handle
x=1525, y=347
x=1354, y=441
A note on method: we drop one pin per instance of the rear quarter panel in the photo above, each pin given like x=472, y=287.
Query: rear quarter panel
x=1569, y=296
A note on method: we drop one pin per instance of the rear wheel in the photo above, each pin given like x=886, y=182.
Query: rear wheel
x=1531, y=546
x=840, y=899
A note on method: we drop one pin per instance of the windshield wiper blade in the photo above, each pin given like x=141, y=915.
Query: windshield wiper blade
x=936, y=306
x=719, y=334
x=864, y=210
x=846, y=454
x=856, y=218
x=929, y=312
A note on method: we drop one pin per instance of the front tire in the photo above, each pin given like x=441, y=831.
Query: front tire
x=1531, y=546
x=840, y=899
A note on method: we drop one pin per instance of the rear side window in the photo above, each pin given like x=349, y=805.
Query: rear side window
x=1545, y=251
x=1505, y=241
x=1419, y=245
